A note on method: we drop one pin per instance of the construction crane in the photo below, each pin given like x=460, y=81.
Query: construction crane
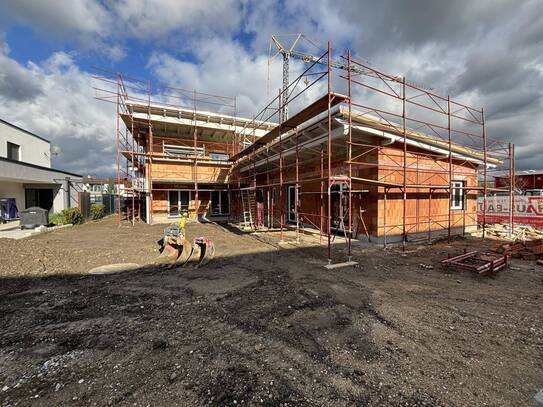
x=288, y=51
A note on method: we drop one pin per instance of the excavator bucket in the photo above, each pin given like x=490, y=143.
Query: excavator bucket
x=207, y=250
x=185, y=253
x=169, y=254
x=176, y=251
x=194, y=258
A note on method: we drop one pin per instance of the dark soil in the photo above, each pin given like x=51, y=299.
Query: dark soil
x=261, y=325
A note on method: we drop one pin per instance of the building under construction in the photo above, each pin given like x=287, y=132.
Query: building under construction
x=372, y=156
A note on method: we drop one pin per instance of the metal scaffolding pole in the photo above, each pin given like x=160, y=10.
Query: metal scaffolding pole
x=150, y=152
x=513, y=181
x=404, y=187
x=484, y=172
x=281, y=203
x=511, y=189
x=269, y=206
x=329, y=219
x=349, y=162
x=117, y=119
x=430, y=192
x=132, y=183
x=385, y=217
x=195, y=171
x=296, y=193
x=322, y=194
x=450, y=168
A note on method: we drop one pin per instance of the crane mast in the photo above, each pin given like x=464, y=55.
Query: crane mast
x=288, y=52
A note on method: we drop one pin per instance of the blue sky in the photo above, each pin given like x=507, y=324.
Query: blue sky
x=487, y=53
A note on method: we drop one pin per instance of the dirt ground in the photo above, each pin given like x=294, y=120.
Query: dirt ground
x=261, y=325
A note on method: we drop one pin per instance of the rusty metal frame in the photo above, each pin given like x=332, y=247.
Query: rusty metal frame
x=481, y=263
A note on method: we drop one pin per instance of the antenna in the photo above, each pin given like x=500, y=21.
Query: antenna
x=54, y=151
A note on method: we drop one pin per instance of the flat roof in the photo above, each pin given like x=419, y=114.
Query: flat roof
x=176, y=121
x=363, y=122
x=40, y=167
x=520, y=172
x=386, y=126
x=24, y=131
x=204, y=115
x=310, y=111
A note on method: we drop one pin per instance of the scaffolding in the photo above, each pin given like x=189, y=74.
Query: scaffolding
x=136, y=133
x=357, y=136
x=336, y=166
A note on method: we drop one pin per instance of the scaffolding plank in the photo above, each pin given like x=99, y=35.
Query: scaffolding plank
x=314, y=109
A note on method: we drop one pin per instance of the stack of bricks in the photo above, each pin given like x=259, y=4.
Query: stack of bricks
x=528, y=250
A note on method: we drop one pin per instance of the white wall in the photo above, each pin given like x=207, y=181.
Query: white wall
x=13, y=190
x=17, y=190
x=16, y=176
x=61, y=196
x=32, y=150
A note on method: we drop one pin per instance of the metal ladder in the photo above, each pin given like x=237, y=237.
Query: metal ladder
x=248, y=203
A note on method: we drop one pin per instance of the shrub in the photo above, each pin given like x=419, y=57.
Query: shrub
x=66, y=216
x=72, y=215
x=56, y=219
x=98, y=211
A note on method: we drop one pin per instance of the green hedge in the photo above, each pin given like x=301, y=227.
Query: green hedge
x=66, y=216
x=98, y=211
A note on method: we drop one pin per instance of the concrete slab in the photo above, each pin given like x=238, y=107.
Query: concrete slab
x=14, y=224
x=15, y=232
x=340, y=265
x=114, y=268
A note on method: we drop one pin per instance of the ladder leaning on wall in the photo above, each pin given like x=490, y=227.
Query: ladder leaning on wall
x=249, y=207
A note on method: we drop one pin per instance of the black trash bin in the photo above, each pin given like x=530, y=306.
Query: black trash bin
x=33, y=217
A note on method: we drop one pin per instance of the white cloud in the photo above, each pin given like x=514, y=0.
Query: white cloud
x=59, y=105
x=83, y=18
x=222, y=67
x=104, y=27
x=155, y=18
x=226, y=68
x=485, y=54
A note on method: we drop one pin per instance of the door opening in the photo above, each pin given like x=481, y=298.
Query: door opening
x=340, y=205
x=42, y=198
x=291, y=203
x=178, y=202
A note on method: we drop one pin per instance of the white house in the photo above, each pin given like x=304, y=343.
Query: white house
x=26, y=174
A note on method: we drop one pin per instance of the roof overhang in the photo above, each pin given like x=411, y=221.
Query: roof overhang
x=172, y=121
x=314, y=132
x=20, y=172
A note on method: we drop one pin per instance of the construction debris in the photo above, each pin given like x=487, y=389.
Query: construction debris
x=528, y=250
x=500, y=231
x=481, y=263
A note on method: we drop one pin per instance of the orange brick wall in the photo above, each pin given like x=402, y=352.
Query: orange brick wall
x=370, y=204
x=421, y=214
x=160, y=200
x=185, y=172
